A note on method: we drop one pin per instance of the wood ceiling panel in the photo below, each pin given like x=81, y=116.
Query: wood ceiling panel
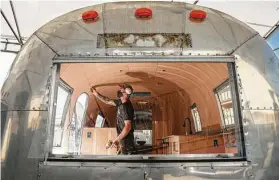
x=197, y=80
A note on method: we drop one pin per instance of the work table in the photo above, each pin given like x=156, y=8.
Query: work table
x=195, y=144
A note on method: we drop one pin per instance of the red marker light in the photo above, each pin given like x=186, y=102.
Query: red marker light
x=197, y=15
x=143, y=13
x=90, y=16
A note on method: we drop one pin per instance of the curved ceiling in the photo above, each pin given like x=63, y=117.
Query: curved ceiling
x=197, y=80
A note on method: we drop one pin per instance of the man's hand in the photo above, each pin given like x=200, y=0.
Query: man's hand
x=102, y=98
x=93, y=90
x=115, y=143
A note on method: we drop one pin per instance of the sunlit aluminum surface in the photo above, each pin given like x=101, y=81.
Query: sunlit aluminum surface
x=25, y=94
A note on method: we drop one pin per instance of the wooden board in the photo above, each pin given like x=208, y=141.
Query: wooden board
x=96, y=143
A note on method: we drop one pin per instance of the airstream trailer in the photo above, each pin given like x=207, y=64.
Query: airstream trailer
x=206, y=90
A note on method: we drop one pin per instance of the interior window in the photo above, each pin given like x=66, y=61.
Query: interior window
x=99, y=121
x=196, y=118
x=224, y=98
x=77, y=123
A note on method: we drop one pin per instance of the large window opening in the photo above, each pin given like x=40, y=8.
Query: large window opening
x=180, y=108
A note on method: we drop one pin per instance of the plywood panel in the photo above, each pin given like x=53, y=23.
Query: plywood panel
x=96, y=144
x=87, y=142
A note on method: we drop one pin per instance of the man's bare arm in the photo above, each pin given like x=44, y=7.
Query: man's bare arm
x=102, y=98
x=125, y=131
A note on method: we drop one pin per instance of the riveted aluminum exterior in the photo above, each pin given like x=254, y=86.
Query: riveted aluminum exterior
x=25, y=104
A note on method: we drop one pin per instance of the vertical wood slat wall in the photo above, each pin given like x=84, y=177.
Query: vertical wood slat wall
x=168, y=117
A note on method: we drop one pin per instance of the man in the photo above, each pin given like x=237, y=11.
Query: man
x=124, y=117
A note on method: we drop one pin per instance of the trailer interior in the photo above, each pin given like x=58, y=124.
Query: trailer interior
x=180, y=108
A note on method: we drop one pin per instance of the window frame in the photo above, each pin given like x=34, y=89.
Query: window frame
x=69, y=90
x=229, y=60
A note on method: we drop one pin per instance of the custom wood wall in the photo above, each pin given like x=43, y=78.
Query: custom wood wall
x=168, y=115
